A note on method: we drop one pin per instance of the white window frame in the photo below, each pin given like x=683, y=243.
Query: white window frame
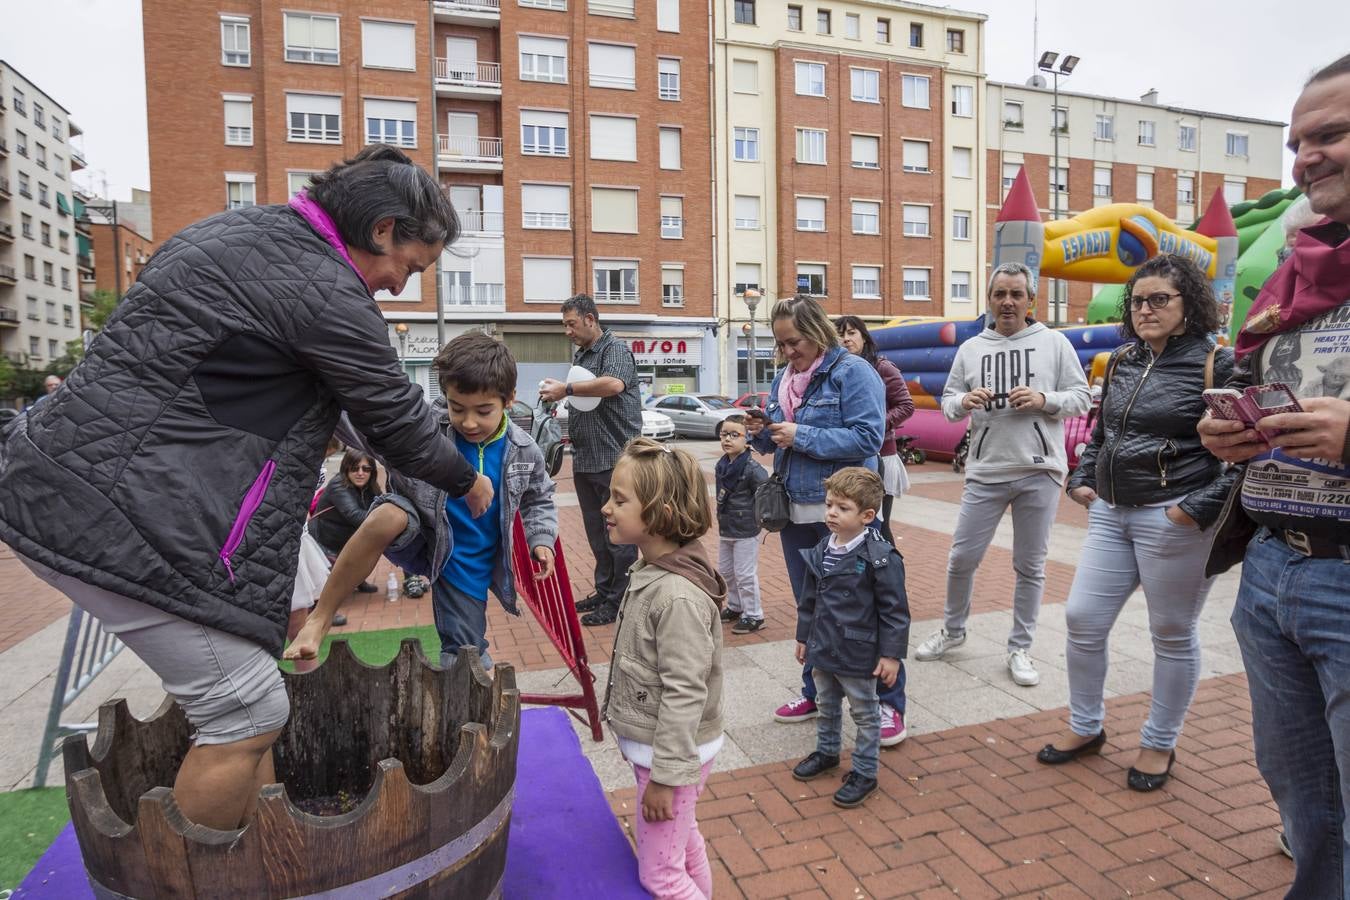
x=664, y=161
x=1148, y=133
x=1240, y=186
x=378, y=127
x=672, y=226
x=238, y=135
x=305, y=134
x=1235, y=141
x=291, y=187
x=958, y=290
x=1101, y=187
x=916, y=226
x=560, y=5
x=616, y=80
x=910, y=88
x=550, y=130
x=745, y=139
x=559, y=286
x=824, y=279
x=668, y=16
x=406, y=30
x=667, y=78
x=1185, y=131
x=808, y=222
x=1059, y=119
x=546, y=220
x=745, y=223
x=809, y=78
x=960, y=224
x=928, y=156
x=616, y=266
x=740, y=65
x=963, y=101
x=1105, y=128
x=1062, y=187
x=312, y=55
x=969, y=155
x=911, y=283
x=1139, y=182
x=609, y=150
x=865, y=95
x=241, y=180
x=1011, y=122
x=852, y=27
x=875, y=140
x=806, y=139
x=538, y=66
x=232, y=55
x=866, y=288
x=1186, y=197
x=671, y=298
x=865, y=216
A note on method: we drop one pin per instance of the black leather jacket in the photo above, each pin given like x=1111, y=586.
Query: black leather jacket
x=341, y=509
x=1144, y=446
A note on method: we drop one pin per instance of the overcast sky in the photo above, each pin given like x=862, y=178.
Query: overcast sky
x=1220, y=57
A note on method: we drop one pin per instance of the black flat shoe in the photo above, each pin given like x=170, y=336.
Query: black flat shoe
x=1053, y=756
x=590, y=604
x=1148, y=781
x=604, y=615
x=814, y=766
x=366, y=587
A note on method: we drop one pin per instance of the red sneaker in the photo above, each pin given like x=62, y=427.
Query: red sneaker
x=798, y=710
x=892, y=726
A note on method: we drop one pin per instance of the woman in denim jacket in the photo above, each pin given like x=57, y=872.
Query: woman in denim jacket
x=829, y=408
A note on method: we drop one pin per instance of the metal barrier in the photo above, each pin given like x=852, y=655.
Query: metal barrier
x=95, y=648
x=551, y=602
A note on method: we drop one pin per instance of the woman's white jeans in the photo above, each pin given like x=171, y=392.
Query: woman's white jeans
x=1126, y=547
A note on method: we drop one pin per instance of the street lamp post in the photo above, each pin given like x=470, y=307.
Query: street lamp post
x=1047, y=64
x=401, y=330
x=751, y=298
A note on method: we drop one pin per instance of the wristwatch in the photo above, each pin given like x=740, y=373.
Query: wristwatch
x=568, y=390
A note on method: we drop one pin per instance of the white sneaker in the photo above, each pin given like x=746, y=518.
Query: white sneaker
x=938, y=644
x=1023, y=672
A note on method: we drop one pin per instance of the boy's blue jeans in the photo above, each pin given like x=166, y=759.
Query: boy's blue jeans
x=831, y=689
x=1292, y=620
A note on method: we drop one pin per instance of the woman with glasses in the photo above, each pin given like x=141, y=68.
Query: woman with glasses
x=343, y=505
x=1153, y=493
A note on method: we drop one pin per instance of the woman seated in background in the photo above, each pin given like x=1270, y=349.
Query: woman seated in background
x=343, y=505
x=1152, y=493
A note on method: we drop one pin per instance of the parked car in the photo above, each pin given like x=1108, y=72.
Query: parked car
x=695, y=415
x=655, y=425
x=755, y=400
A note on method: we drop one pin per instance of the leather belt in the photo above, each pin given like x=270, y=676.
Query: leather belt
x=1312, y=546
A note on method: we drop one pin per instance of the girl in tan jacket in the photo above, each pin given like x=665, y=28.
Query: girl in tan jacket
x=664, y=698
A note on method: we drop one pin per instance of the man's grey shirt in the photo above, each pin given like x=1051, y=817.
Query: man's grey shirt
x=599, y=436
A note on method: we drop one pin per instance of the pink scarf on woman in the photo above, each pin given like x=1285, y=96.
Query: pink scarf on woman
x=793, y=387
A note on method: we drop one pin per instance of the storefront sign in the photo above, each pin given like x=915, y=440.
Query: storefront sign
x=651, y=350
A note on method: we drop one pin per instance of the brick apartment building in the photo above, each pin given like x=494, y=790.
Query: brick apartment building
x=572, y=136
x=39, y=269
x=849, y=142
x=1121, y=151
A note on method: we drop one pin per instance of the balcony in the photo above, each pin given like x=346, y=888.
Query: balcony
x=84, y=261
x=76, y=159
x=8, y=277
x=483, y=13
x=4, y=188
x=475, y=297
x=6, y=233
x=9, y=317
x=476, y=221
x=468, y=79
x=469, y=154
x=4, y=148
x=83, y=223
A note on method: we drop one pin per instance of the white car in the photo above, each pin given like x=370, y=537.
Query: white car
x=655, y=425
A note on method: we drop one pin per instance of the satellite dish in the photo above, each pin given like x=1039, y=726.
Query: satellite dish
x=1036, y=81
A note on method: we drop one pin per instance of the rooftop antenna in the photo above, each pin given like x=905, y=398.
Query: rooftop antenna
x=1036, y=80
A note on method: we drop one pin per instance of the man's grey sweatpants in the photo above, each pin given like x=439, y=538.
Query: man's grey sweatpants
x=1034, y=500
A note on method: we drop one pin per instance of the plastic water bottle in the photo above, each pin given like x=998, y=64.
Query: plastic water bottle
x=391, y=587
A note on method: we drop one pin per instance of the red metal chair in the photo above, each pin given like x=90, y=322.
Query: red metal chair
x=551, y=602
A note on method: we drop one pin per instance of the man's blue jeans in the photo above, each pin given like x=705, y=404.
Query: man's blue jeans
x=1292, y=620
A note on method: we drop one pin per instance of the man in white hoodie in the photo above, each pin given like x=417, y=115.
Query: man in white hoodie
x=1018, y=380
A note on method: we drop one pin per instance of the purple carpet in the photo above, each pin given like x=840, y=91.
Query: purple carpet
x=564, y=840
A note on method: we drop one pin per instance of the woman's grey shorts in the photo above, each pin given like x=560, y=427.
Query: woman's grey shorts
x=229, y=687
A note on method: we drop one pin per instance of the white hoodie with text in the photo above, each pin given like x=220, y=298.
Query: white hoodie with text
x=1005, y=443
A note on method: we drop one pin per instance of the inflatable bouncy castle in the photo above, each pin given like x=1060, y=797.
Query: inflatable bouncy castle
x=1104, y=244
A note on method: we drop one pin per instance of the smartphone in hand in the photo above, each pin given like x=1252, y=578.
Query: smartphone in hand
x=1253, y=404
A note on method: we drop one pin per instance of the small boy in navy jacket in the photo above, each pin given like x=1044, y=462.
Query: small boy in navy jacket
x=852, y=627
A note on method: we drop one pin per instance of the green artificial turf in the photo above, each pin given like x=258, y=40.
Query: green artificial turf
x=29, y=822
x=378, y=647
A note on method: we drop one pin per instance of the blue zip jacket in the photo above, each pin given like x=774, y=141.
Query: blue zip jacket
x=840, y=424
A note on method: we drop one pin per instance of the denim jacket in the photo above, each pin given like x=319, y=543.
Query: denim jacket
x=526, y=488
x=839, y=424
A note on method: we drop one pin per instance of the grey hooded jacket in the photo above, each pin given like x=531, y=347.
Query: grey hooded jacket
x=176, y=464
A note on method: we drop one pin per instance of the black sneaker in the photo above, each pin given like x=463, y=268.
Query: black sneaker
x=366, y=587
x=855, y=790
x=747, y=625
x=339, y=620
x=590, y=603
x=730, y=615
x=603, y=615
x=814, y=766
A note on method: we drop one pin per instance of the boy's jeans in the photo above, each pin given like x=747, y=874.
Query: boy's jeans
x=865, y=709
x=461, y=621
x=1292, y=625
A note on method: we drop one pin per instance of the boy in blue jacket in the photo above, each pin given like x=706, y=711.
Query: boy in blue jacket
x=852, y=627
x=424, y=531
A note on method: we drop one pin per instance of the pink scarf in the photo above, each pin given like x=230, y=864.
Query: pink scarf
x=1311, y=281
x=793, y=387
x=320, y=221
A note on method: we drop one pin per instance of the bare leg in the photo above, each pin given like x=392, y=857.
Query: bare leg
x=376, y=533
x=263, y=775
x=217, y=784
x=293, y=626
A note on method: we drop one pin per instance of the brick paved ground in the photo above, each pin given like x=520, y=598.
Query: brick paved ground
x=969, y=812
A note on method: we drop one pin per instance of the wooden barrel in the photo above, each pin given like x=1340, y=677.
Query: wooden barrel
x=417, y=762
